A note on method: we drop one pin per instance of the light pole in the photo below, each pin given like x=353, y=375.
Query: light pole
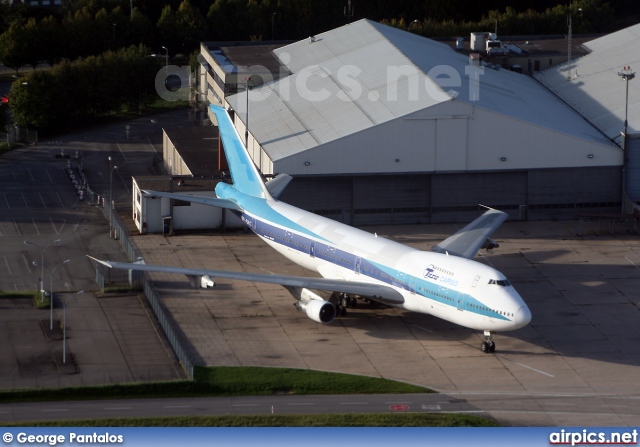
x=42, y=249
x=51, y=293
x=246, y=130
x=166, y=59
x=570, y=36
x=111, y=201
x=64, y=326
x=273, y=16
x=626, y=74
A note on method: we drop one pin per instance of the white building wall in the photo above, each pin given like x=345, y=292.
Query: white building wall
x=451, y=137
x=524, y=145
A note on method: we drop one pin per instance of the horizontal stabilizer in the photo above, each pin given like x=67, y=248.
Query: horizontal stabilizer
x=378, y=292
x=466, y=242
x=278, y=184
x=212, y=201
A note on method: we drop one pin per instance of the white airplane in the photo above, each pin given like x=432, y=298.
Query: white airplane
x=445, y=283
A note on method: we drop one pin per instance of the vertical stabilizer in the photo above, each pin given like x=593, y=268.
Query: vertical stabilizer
x=244, y=173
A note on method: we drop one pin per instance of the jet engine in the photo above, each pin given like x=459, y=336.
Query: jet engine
x=320, y=311
x=313, y=305
x=490, y=244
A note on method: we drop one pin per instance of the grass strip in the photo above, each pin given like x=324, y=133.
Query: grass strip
x=225, y=381
x=314, y=420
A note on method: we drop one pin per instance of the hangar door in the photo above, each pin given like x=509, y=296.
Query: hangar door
x=391, y=199
x=632, y=160
x=326, y=196
x=457, y=197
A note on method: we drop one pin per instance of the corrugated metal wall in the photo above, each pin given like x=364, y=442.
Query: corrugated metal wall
x=632, y=160
x=430, y=198
x=567, y=193
x=391, y=199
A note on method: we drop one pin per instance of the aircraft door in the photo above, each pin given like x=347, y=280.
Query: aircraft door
x=459, y=301
x=312, y=249
x=358, y=266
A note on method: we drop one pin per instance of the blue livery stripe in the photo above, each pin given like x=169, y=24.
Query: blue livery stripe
x=389, y=276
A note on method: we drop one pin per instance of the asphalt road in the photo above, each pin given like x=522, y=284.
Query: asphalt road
x=217, y=406
x=513, y=406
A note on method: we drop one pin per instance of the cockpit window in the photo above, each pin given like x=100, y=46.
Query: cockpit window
x=500, y=282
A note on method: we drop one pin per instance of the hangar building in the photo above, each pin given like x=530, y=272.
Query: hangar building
x=596, y=87
x=378, y=125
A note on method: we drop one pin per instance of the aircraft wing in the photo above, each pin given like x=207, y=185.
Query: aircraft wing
x=213, y=201
x=381, y=293
x=466, y=242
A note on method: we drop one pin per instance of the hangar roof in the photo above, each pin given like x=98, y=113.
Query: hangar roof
x=592, y=84
x=365, y=73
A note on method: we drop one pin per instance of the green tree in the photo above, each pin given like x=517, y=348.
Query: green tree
x=191, y=27
x=14, y=50
x=50, y=39
x=225, y=20
x=141, y=29
x=34, y=101
x=167, y=29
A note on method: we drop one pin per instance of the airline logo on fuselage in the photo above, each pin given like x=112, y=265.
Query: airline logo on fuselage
x=431, y=273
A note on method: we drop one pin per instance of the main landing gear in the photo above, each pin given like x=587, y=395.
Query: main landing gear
x=342, y=301
x=487, y=345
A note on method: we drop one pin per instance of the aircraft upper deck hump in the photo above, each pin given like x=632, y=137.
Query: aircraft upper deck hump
x=244, y=173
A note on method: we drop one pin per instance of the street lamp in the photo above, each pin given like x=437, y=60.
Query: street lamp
x=64, y=326
x=273, y=16
x=166, y=59
x=51, y=290
x=111, y=201
x=626, y=74
x=51, y=293
x=42, y=249
x=569, y=36
x=246, y=130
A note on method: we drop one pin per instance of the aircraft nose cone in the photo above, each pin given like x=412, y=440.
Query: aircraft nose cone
x=523, y=316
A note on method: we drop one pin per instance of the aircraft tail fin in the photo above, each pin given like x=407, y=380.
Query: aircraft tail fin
x=244, y=173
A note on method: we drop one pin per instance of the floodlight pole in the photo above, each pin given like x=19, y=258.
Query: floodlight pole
x=42, y=249
x=246, y=130
x=166, y=59
x=626, y=75
x=51, y=293
x=111, y=201
x=273, y=16
x=64, y=325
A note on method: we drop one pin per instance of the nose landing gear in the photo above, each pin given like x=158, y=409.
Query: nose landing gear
x=487, y=345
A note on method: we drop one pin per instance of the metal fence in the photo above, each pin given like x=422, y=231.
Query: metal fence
x=174, y=335
x=16, y=134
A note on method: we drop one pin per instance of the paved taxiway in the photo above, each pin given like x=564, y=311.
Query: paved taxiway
x=576, y=364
